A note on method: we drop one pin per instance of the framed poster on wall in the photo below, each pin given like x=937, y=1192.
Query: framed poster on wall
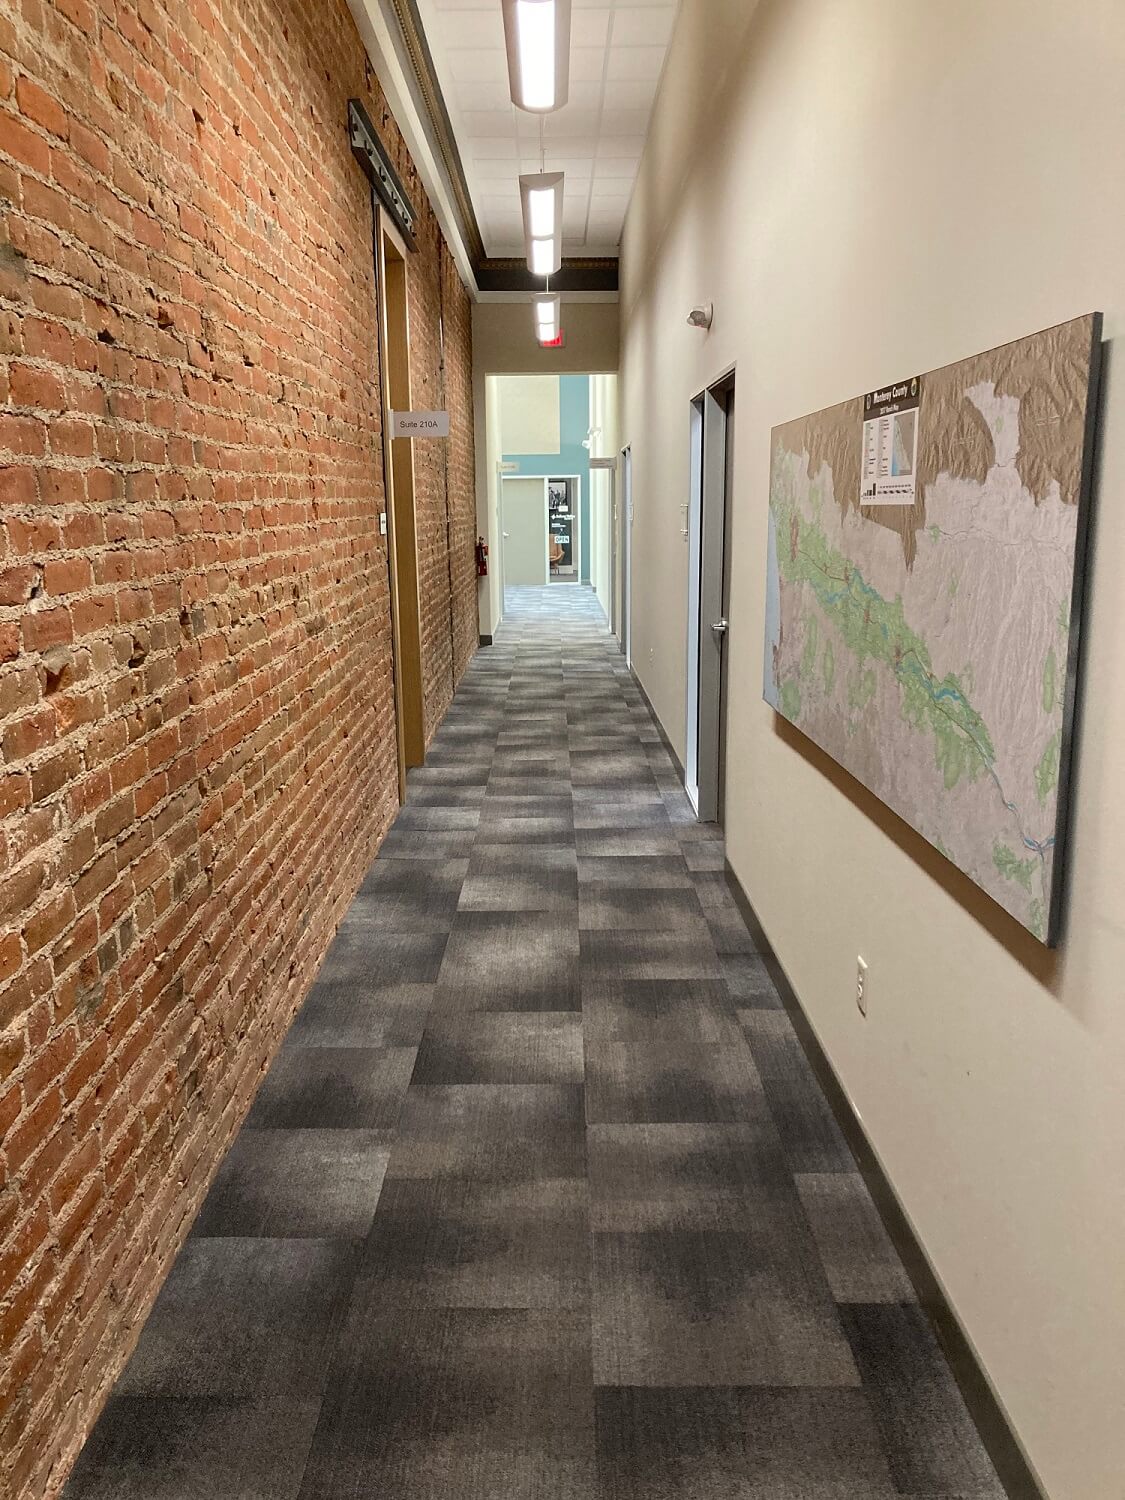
x=926, y=554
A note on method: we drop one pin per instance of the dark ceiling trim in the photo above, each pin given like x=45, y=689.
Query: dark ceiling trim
x=578, y=274
x=493, y=274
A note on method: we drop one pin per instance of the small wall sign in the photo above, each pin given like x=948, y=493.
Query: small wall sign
x=420, y=424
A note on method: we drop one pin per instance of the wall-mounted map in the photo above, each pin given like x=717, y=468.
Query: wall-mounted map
x=931, y=646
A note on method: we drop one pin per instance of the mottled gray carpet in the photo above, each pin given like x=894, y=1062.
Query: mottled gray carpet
x=540, y=1197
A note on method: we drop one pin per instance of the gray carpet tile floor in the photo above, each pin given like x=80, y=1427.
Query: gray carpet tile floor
x=540, y=1197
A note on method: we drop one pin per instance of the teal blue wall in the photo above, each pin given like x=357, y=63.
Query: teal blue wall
x=572, y=458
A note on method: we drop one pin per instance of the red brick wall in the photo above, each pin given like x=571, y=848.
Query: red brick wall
x=461, y=469
x=196, y=725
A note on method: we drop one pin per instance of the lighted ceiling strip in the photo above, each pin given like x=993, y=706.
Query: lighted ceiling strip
x=537, y=34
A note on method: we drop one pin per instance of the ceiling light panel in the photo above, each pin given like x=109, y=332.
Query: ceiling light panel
x=537, y=37
x=545, y=256
x=542, y=195
x=546, y=313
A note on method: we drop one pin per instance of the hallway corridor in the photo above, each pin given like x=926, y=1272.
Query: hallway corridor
x=540, y=1197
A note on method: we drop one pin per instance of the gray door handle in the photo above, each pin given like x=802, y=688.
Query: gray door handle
x=720, y=627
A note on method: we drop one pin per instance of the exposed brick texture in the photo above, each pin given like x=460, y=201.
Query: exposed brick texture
x=196, y=707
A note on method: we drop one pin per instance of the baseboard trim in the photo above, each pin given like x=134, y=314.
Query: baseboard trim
x=1003, y=1446
x=664, y=740
x=485, y=640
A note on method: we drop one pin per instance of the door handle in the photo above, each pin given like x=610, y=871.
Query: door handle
x=720, y=627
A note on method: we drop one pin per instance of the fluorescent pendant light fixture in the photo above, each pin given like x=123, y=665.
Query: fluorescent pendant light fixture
x=548, y=317
x=542, y=195
x=537, y=33
x=545, y=258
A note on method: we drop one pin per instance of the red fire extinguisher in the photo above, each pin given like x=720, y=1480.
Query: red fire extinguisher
x=482, y=557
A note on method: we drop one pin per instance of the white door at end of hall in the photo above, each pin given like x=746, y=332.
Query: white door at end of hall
x=523, y=519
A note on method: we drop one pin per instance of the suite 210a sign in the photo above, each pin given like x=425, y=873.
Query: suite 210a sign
x=420, y=424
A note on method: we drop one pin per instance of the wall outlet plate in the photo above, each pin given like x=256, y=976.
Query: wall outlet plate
x=861, y=985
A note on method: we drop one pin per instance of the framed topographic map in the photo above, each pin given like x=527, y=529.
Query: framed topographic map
x=926, y=553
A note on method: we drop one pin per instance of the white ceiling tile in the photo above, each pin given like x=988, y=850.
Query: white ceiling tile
x=630, y=93
x=617, y=122
x=583, y=92
x=635, y=62
x=575, y=120
x=496, y=147
x=487, y=122
x=478, y=27
x=621, y=145
x=642, y=25
x=478, y=64
x=474, y=94
x=562, y=146
x=489, y=170
x=588, y=28
x=587, y=64
x=616, y=169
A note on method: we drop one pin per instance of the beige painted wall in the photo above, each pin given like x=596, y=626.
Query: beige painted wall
x=504, y=339
x=529, y=414
x=990, y=1075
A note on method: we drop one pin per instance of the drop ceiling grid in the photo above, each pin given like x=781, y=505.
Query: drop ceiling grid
x=617, y=52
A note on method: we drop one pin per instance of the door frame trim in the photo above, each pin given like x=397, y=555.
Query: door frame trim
x=402, y=552
x=707, y=543
x=576, y=544
x=626, y=619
